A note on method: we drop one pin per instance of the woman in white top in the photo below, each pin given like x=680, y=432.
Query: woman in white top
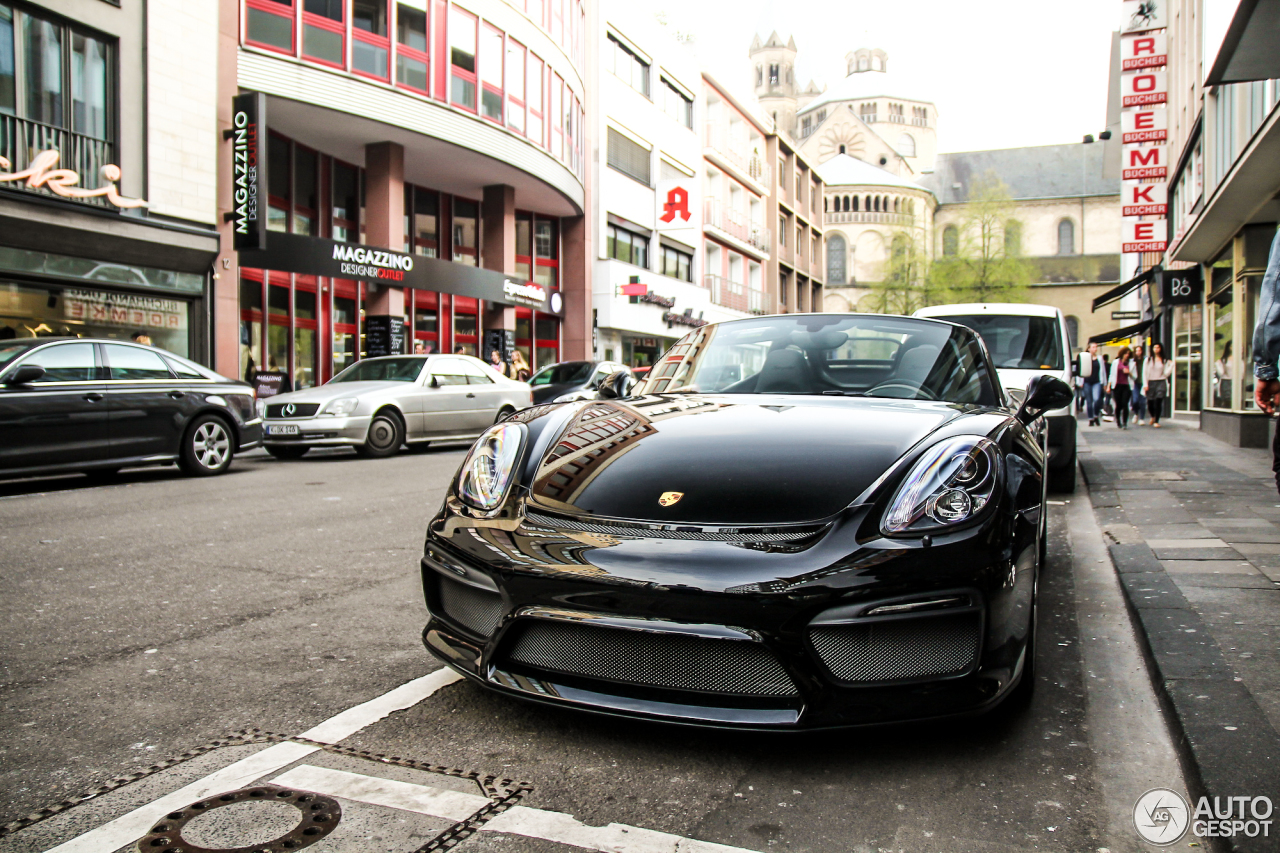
x=1155, y=382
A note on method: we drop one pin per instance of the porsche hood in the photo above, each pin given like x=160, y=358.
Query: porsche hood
x=713, y=460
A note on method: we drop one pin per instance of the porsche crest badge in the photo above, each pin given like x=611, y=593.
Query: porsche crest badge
x=669, y=498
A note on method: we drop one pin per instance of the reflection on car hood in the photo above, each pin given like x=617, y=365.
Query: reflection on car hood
x=334, y=390
x=734, y=459
x=547, y=393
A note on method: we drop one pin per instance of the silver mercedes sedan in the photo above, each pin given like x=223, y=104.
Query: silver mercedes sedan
x=379, y=404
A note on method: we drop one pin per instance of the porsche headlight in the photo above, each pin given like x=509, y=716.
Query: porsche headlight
x=488, y=470
x=950, y=484
x=341, y=407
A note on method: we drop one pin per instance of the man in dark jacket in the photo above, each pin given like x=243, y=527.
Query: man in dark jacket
x=1092, y=371
x=1266, y=348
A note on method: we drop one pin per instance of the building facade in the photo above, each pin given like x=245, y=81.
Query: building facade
x=416, y=176
x=107, y=176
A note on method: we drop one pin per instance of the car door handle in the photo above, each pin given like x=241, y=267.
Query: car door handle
x=470, y=393
x=177, y=395
x=94, y=397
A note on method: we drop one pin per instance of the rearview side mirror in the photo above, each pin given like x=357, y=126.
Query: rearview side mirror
x=1044, y=394
x=435, y=381
x=25, y=375
x=617, y=385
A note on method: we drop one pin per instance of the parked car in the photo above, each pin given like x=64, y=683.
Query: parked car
x=849, y=532
x=572, y=380
x=377, y=405
x=99, y=405
x=1026, y=341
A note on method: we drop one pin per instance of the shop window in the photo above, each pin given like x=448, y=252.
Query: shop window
x=629, y=157
x=269, y=23
x=515, y=69
x=411, y=53
x=524, y=246
x=1222, y=319
x=628, y=246
x=426, y=222
x=250, y=323
x=546, y=270
x=536, y=128
x=323, y=32
x=466, y=325
x=306, y=197
x=279, y=168
x=370, y=46
x=346, y=203
x=677, y=264
x=466, y=232
x=306, y=351
x=462, y=57
x=345, y=327
x=426, y=321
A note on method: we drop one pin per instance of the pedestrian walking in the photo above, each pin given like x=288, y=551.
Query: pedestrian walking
x=1091, y=376
x=1139, y=404
x=1157, y=371
x=520, y=367
x=1120, y=384
x=498, y=363
x=1266, y=348
x=1108, y=412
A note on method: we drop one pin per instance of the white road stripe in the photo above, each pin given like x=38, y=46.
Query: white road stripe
x=519, y=820
x=132, y=826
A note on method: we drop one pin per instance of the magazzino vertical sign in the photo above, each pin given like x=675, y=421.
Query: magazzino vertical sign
x=248, y=135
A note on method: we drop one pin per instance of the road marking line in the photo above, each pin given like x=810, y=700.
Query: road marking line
x=518, y=820
x=130, y=827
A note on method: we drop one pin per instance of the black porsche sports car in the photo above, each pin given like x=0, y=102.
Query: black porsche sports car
x=795, y=521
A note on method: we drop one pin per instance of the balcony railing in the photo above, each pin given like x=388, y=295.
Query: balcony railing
x=21, y=140
x=832, y=217
x=737, y=296
x=736, y=224
x=736, y=148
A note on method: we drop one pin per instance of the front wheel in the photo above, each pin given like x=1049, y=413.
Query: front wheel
x=385, y=437
x=504, y=413
x=207, y=448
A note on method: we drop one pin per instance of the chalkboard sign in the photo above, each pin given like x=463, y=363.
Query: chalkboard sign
x=502, y=340
x=384, y=335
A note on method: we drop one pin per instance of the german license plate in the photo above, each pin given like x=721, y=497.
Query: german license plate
x=282, y=429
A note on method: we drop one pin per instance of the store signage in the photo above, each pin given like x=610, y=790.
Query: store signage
x=1142, y=15
x=1145, y=125
x=686, y=319
x=1138, y=199
x=62, y=182
x=675, y=204
x=655, y=299
x=1126, y=315
x=1182, y=287
x=123, y=309
x=1143, y=236
x=317, y=256
x=1148, y=162
x=1145, y=50
x=1144, y=88
x=384, y=334
x=248, y=136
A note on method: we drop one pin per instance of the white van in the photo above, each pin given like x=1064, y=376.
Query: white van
x=1026, y=341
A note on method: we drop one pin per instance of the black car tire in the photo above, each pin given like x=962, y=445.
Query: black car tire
x=504, y=413
x=285, y=451
x=386, y=434
x=1062, y=478
x=207, y=447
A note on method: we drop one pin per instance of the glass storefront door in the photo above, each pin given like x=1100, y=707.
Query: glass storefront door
x=306, y=350
x=37, y=311
x=345, y=328
x=278, y=325
x=1188, y=367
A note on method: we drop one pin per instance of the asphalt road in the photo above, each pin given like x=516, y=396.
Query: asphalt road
x=145, y=617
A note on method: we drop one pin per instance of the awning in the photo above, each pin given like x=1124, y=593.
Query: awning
x=1248, y=52
x=1120, y=334
x=1124, y=289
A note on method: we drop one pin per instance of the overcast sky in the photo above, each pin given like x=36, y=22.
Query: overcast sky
x=1003, y=73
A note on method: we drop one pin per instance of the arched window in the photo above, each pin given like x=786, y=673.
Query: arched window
x=1066, y=237
x=836, y=254
x=907, y=145
x=950, y=241
x=841, y=149
x=1013, y=238
x=759, y=75
x=824, y=204
x=876, y=201
x=897, y=205
x=1073, y=332
x=855, y=204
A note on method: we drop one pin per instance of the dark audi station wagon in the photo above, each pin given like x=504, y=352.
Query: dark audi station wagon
x=98, y=405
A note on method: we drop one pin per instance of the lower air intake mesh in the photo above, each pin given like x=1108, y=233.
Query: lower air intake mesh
x=477, y=609
x=934, y=646
x=675, y=661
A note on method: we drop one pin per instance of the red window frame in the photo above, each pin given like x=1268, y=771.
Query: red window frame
x=540, y=134
x=471, y=77
x=383, y=42
x=426, y=299
x=487, y=32
x=307, y=284
x=413, y=53
x=342, y=288
x=288, y=9
x=465, y=305
x=516, y=99
x=557, y=99
x=321, y=22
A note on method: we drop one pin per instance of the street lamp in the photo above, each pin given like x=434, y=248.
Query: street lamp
x=1088, y=140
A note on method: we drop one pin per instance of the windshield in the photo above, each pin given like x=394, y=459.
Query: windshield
x=1022, y=343
x=382, y=370
x=832, y=354
x=564, y=373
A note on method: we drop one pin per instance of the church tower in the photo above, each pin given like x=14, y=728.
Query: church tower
x=775, y=78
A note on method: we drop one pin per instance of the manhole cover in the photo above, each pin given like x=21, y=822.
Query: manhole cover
x=242, y=824
x=261, y=819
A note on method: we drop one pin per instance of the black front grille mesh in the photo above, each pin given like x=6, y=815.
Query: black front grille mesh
x=300, y=410
x=477, y=609
x=675, y=661
x=934, y=646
